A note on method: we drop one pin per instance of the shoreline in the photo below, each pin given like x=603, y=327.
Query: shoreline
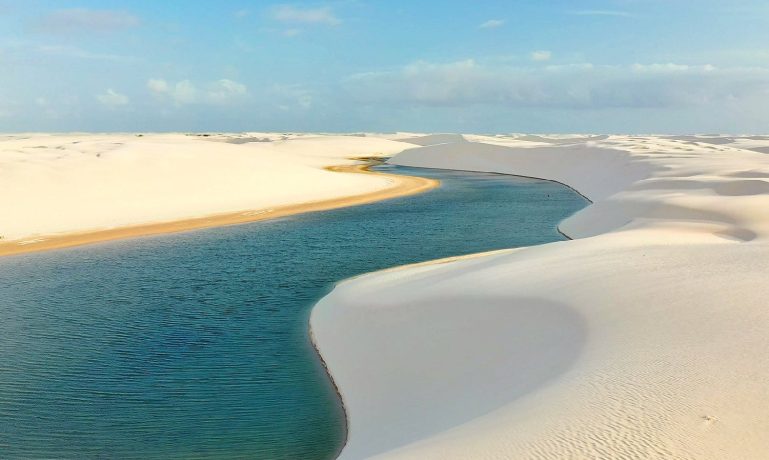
x=316, y=347
x=337, y=390
x=653, y=235
x=426, y=263
x=402, y=186
x=557, y=228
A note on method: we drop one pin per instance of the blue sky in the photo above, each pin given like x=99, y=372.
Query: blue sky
x=635, y=66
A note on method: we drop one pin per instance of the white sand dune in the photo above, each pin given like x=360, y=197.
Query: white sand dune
x=434, y=139
x=645, y=337
x=57, y=184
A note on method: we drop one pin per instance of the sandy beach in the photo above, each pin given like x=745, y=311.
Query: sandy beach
x=643, y=337
x=69, y=190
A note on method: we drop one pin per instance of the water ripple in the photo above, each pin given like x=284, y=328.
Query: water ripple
x=195, y=345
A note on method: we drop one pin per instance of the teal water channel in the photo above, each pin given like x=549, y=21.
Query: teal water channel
x=196, y=345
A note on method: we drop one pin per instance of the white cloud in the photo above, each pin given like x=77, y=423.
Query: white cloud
x=185, y=92
x=225, y=91
x=112, y=98
x=292, y=14
x=671, y=68
x=83, y=20
x=541, y=55
x=492, y=24
x=581, y=86
x=157, y=85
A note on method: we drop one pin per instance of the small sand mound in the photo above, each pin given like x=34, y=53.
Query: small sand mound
x=742, y=188
x=738, y=234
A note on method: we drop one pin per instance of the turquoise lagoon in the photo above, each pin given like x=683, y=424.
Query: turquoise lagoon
x=195, y=345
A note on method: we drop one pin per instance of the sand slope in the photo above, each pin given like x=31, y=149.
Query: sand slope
x=643, y=338
x=64, y=184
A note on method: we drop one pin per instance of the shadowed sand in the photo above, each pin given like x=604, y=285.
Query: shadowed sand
x=401, y=186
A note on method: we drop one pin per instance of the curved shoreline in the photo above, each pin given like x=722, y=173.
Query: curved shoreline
x=654, y=277
x=330, y=378
x=402, y=186
x=440, y=261
x=544, y=179
x=427, y=263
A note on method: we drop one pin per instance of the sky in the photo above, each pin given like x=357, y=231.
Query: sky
x=608, y=66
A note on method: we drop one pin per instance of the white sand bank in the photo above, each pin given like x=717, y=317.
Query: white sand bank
x=58, y=184
x=645, y=337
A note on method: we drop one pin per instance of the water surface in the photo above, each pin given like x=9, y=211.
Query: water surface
x=195, y=345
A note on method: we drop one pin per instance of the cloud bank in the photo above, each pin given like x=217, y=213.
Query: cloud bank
x=184, y=92
x=492, y=24
x=112, y=98
x=578, y=86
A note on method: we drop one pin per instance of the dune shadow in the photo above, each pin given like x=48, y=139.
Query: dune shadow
x=453, y=361
x=749, y=174
x=742, y=188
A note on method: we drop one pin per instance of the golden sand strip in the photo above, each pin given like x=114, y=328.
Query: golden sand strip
x=402, y=186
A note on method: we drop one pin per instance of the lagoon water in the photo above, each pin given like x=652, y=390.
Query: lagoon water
x=195, y=345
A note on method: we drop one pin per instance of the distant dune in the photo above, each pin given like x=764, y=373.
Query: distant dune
x=645, y=337
x=62, y=190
